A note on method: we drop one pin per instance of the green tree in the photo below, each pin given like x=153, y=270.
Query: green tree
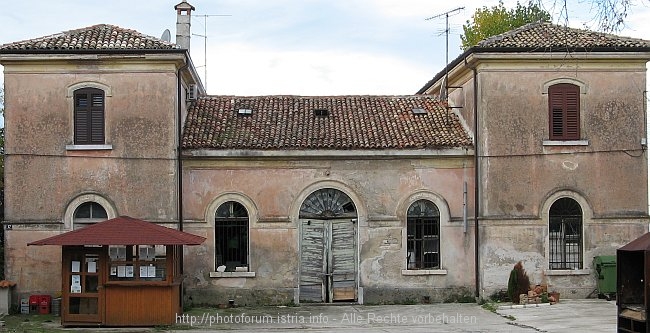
x=487, y=22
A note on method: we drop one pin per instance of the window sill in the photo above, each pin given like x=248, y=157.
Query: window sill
x=89, y=147
x=565, y=143
x=232, y=274
x=566, y=272
x=413, y=272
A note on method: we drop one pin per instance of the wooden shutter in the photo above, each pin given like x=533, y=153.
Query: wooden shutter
x=89, y=116
x=564, y=112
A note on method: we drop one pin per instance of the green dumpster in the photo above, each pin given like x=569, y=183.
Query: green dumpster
x=605, y=267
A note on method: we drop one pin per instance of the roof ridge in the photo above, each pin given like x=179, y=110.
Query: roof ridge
x=508, y=33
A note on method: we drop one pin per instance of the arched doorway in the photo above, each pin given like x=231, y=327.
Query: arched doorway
x=328, y=249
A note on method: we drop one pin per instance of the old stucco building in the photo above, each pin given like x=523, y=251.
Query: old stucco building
x=333, y=198
x=560, y=147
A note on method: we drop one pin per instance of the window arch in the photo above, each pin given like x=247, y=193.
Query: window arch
x=231, y=236
x=565, y=234
x=88, y=213
x=327, y=203
x=423, y=235
x=89, y=116
x=564, y=111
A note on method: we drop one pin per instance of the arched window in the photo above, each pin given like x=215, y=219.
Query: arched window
x=423, y=235
x=89, y=116
x=231, y=236
x=88, y=213
x=564, y=111
x=565, y=234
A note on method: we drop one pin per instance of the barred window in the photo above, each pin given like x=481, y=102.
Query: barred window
x=565, y=235
x=231, y=237
x=423, y=236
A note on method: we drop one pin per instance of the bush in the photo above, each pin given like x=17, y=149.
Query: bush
x=518, y=283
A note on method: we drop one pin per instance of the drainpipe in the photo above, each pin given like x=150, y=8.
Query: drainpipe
x=477, y=275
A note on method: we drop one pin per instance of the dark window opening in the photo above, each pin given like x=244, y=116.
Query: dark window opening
x=423, y=236
x=565, y=235
x=89, y=116
x=88, y=213
x=564, y=112
x=231, y=237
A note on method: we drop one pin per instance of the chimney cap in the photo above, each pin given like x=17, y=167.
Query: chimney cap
x=184, y=6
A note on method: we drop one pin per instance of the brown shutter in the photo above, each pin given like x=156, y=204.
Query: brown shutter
x=97, y=119
x=572, y=120
x=564, y=112
x=81, y=115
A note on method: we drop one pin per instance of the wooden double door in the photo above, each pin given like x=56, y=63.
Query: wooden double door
x=328, y=260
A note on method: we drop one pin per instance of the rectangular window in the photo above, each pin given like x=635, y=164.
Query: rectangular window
x=564, y=112
x=565, y=243
x=423, y=243
x=232, y=244
x=89, y=116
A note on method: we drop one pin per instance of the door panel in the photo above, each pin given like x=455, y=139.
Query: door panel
x=343, y=260
x=328, y=263
x=312, y=286
x=82, y=300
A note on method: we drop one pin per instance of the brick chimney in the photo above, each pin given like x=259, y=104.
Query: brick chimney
x=183, y=18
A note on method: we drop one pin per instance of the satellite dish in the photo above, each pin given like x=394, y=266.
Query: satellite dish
x=443, y=89
x=166, y=36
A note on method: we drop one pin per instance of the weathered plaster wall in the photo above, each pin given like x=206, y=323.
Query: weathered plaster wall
x=382, y=190
x=521, y=176
x=137, y=176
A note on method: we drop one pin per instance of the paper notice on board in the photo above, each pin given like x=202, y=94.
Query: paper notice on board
x=152, y=271
x=76, y=266
x=76, y=280
x=121, y=271
x=144, y=273
x=75, y=289
x=113, y=270
x=92, y=267
x=129, y=271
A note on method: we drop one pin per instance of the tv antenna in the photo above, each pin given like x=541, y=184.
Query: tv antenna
x=205, y=45
x=445, y=81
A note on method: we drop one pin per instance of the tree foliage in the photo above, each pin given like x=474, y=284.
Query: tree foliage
x=487, y=22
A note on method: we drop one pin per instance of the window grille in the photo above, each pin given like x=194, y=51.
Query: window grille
x=423, y=236
x=565, y=235
x=231, y=236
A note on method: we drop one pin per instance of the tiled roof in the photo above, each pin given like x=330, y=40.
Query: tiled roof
x=544, y=35
x=352, y=122
x=123, y=230
x=97, y=37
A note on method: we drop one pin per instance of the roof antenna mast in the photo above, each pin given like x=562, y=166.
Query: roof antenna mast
x=446, y=81
x=205, y=46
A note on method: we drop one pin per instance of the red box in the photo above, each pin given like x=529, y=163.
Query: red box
x=40, y=304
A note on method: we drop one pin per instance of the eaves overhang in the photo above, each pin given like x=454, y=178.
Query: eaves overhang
x=348, y=154
x=631, y=52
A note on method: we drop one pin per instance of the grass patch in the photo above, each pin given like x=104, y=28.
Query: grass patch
x=36, y=323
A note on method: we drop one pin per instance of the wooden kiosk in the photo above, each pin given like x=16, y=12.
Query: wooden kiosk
x=633, y=292
x=121, y=272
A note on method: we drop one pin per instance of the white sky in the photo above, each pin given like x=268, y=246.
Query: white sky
x=298, y=47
